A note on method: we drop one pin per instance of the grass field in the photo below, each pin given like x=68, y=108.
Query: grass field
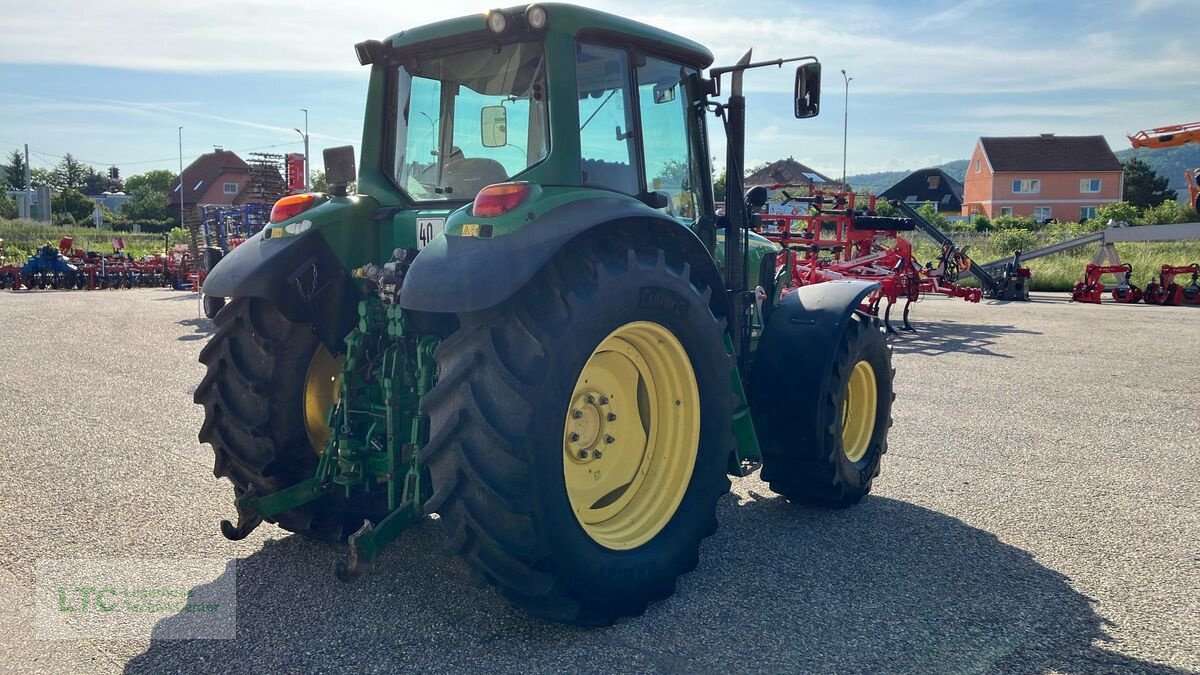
x=22, y=237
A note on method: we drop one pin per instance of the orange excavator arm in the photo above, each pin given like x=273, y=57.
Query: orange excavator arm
x=1167, y=137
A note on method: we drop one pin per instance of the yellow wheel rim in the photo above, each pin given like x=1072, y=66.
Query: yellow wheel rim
x=631, y=435
x=858, y=411
x=322, y=388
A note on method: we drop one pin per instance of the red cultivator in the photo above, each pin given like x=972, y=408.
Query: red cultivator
x=1090, y=289
x=1165, y=290
x=825, y=238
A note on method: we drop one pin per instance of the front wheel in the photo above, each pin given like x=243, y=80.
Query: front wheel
x=828, y=450
x=580, y=432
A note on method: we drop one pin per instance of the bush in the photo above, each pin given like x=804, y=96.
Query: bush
x=1166, y=213
x=1117, y=212
x=983, y=224
x=1014, y=223
x=8, y=207
x=1012, y=240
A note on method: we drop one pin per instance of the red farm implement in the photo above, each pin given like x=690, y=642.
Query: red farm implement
x=1091, y=288
x=1166, y=291
x=824, y=237
x=69, y=268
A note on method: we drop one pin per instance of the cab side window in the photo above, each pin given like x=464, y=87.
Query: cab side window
x=606, y=126
x=670, y=168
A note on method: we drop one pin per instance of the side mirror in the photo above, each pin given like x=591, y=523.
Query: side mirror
x=756, y=197
x=339, y=168
x=493, y=126
x=664, y=93
x=808, y=90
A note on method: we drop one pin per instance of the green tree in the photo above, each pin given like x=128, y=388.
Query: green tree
x=15, y=176
x=41, y=177
x=1117, y=213
x=319, y=184
x=71, y=172
x=73, y=202
x=158, y=180
x=719, y=187
x=96, y=183
x=1143, y=187
x=146, y=205
x=8, y=207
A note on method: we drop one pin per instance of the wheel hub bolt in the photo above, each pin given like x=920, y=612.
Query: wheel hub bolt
x=612, y=417
x=574, y=437
x=609, y=439
x=583, y=454
x=596, y=454
x=576, y=414
x=603, y=400
x=590, y=398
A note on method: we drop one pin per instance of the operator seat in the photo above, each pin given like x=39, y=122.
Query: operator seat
x=467, y=176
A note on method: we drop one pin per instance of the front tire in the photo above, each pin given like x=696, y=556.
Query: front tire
x=516, y=431
x=847, y=415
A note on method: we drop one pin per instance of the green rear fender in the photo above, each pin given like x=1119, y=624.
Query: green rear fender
x=456, y=273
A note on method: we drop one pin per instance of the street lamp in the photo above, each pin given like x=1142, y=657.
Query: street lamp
x=307, y=168
x=845, y=125
x=180, y=176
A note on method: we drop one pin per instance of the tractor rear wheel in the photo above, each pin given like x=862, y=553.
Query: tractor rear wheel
x=848, y=413
x=580, y=432
x=266, y=397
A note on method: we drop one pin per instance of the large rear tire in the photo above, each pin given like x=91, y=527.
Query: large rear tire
x=609, y=366
x=849, y=412
x=267, y=391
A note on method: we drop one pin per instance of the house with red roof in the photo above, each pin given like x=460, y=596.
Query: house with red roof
x=1047, y=177
x=215, y=178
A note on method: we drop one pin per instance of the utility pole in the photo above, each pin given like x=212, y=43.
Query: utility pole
x=307, y=167
x=845, y=127
x=181, y=177
x=26, y=207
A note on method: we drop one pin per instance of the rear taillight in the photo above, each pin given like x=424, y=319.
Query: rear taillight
x=291, y=206
x=498, y=199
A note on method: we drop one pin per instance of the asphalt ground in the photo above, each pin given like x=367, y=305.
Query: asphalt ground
x=1037, y=512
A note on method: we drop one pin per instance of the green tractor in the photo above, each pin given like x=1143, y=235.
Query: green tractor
x=532, y=321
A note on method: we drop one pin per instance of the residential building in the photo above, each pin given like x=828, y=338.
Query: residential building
x=790, y=172
x=1047, y=177
x=217, y=178
x=928, y=186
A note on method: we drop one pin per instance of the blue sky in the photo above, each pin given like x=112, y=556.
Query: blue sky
x=112, y=82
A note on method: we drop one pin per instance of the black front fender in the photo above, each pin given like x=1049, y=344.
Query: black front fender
x=301, y=276
x=467, y=274
x=801, y=335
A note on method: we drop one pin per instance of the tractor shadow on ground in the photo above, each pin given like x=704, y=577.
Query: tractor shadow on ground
x=949, y=337
x=885, y=586
x=202, y=329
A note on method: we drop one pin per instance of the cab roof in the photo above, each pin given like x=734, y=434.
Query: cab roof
x=562, y=18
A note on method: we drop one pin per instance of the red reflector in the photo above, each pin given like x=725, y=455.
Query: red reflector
x=291, y=206
x=498, y=199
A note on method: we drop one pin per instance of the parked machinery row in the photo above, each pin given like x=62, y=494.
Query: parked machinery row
x=67, y=267
x=1163, y=290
